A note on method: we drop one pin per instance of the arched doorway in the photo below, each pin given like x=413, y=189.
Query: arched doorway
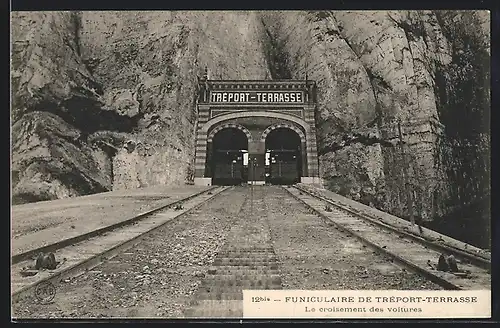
x=283, y=156
x=229, y=147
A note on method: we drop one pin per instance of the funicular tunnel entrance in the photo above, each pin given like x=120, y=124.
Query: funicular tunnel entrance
x=229, y=146
x=283, y=157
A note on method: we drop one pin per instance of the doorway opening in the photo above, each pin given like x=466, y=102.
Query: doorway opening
x=283, y=157
x=227, y=161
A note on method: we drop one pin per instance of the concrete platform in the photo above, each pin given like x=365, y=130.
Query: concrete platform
x=38, y=224
x=313, y=181
x=394, y=220
x=203, y=181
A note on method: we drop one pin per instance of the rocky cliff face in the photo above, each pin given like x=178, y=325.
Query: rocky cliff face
x=423, y=75
x=106, y=100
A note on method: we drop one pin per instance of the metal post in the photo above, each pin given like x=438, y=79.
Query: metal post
x=253, y=171
x=251, y=184
x=409, y=193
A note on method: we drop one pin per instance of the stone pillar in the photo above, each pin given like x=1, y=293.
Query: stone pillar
x=209, y=159
x=312, y=154
x=311, y=169
x=201, y=148
x=257, y=153
x=303, y=156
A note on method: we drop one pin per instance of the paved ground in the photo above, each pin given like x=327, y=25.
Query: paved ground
x=37, y=224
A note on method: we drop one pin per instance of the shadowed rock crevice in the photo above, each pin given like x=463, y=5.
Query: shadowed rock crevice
x=463, y=96
x=77, y=25
x=277, y=58
x=87, y=115
x=347, y=140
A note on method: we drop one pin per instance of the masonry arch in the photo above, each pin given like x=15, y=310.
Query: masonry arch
x=283, y=126
x=256, y=110
x=220, y=127
x=216, y=120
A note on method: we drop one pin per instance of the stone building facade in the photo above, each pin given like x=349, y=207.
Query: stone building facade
x=256, y=108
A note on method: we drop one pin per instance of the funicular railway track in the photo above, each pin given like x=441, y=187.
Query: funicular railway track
x=247, y=260
x=83, y=252
x=270, y=238
x=417, y=253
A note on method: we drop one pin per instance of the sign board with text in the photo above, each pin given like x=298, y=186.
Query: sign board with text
x=258, y=97
x=364, y=304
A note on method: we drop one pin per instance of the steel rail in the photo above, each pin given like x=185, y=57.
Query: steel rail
x=416, y=268
x=95, y=260
x=475, y=259
x=77, y=239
